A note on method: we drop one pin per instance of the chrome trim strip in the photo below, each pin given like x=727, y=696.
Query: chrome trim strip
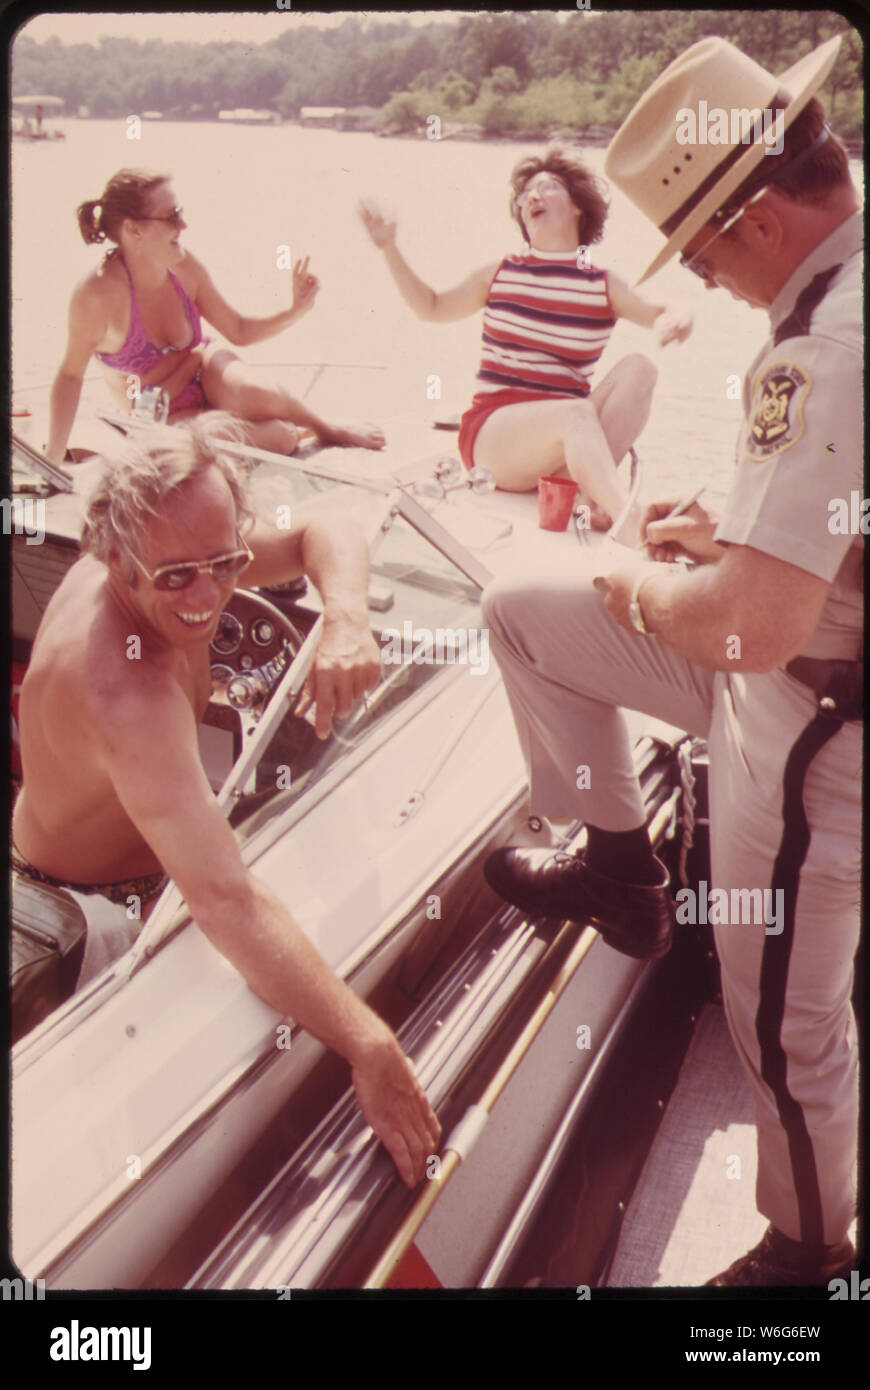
x=314, y=468
x=439, y=536
x=344, y=1134
x=51, y=472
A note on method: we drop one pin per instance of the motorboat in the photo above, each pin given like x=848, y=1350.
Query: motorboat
x=162, y=1138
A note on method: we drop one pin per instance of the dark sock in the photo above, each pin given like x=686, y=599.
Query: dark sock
x=801, y=1249
x=625, y=855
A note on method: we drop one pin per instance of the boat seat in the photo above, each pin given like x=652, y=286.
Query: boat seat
x=49, y=930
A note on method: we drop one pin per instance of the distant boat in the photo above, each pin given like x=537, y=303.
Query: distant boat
x=246, y=115
x=30, y=126
x=324, y=116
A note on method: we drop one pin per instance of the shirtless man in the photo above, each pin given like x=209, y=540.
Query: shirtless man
x=113, y=784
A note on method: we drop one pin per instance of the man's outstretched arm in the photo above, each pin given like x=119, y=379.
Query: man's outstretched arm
x=171, y=804
x=334, y=554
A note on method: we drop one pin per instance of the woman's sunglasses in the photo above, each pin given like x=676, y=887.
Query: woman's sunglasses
x=175, y=218
x=181, y=576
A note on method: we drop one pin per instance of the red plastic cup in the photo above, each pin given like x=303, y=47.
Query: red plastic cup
x=555, y=502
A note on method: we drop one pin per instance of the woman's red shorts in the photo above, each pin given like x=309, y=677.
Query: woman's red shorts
x=483, y=406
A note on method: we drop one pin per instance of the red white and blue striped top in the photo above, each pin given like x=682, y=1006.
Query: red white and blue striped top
x=546, y=323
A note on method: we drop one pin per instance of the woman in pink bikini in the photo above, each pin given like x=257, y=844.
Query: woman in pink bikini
x=139, y=314
x=548, y=313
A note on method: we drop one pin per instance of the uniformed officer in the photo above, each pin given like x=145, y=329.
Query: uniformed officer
x=756, y=648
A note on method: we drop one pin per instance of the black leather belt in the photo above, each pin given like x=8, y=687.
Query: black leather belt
x=838, y=685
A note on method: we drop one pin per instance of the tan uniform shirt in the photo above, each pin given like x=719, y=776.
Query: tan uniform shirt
x=798, y=490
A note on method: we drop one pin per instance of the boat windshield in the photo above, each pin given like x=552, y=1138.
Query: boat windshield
x=425, y=617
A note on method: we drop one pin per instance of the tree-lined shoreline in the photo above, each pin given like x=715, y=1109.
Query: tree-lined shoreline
x=508, y=76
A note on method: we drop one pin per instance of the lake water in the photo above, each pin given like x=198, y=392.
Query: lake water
x=248, y=191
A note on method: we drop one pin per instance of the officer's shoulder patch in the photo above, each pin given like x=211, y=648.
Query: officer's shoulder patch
x=776, y=419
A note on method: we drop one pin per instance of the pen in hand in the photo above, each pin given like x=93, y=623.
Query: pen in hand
x=683, y=506
x=679, y=510
x=601, y=584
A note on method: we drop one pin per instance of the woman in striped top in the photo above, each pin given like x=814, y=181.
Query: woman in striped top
x=548, y=313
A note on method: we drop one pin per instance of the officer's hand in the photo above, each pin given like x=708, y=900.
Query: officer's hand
x=618, y=583
x=690, y=534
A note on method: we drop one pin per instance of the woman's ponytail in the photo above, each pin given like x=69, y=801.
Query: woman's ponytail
x=88, y=222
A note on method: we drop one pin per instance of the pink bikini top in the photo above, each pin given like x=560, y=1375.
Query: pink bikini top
x=139, y=354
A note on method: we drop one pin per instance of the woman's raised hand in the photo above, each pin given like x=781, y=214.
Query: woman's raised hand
x=305, y=287
x=673, y=326
x=381, y=229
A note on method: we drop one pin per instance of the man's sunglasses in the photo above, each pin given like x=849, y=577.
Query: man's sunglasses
x=175, y=217
x=692, y=262
x=182, y=575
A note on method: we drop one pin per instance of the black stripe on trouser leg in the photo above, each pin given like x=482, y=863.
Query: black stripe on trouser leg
x=774, y=976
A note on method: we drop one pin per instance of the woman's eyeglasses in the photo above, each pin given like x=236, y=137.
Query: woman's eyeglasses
x=182, y=575
x=548, y=184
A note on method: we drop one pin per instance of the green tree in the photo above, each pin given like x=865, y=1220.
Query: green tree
x=504, y=81
x=455, y=92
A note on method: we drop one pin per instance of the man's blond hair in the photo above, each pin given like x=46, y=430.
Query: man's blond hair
x=148, y=468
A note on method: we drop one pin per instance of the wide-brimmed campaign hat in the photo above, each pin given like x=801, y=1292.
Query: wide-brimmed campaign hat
x=680, y=183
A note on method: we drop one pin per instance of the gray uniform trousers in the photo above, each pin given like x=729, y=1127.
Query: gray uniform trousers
x=567, y=666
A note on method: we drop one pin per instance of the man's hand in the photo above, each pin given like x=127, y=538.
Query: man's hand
x=381, y=229
x=305, y=288
x=690, y=534
x=347, y=664
x=395, y=1105
x=618, y=584
x=673, y=325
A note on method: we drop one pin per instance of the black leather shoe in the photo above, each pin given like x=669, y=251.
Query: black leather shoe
x=777, y=1262
x=635, y=918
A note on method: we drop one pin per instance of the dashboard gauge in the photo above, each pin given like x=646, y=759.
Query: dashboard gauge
x=221, y=675
x=262, y=632
x=228, y=637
